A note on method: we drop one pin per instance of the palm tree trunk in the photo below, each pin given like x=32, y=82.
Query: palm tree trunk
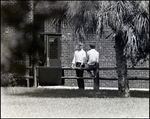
x=123, y=84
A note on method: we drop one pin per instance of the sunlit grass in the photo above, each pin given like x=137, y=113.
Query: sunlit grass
x=42, y=102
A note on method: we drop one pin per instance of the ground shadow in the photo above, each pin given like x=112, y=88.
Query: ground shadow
x=75, y=93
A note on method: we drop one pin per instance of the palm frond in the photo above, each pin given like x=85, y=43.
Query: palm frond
x=131, y=49
x=83, y=17
x=131, y=18
x=55, y=11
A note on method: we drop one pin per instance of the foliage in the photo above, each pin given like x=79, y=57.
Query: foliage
x=82, y=15
x=54, y=11
x=130, y=19
x=14, y=13
x=18, y=42
x=7, y=79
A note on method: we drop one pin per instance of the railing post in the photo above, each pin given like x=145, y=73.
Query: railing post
x=27, y=70
x=35, y=71
x=96, y=79
x=63, y=80
x=35, y=74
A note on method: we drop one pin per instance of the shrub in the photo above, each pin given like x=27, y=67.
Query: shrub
x=7, y=79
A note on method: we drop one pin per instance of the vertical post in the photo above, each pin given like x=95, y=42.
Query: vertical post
x=27, y=70
x=35, y=74
x=63, y=80
x=35, y=70
x=36, y=65
x=34, y=43
x=96, y=79
x=47, y=52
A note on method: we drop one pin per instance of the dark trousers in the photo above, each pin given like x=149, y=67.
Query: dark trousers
x=95, y=69
x=79, y=73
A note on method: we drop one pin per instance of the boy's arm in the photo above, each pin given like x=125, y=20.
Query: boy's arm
x=87, y=57
x=84, y=58
x=98, y=58
x=73, y=62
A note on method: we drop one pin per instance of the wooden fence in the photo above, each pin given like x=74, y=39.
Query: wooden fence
x=96, y=79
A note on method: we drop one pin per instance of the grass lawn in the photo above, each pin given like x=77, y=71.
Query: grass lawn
x=17, y=102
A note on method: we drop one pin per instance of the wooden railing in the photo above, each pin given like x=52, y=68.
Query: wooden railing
x=103, y=78
x=26, y=77
x=96, y=79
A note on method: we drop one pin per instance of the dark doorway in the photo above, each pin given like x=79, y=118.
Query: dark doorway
x=50, y=59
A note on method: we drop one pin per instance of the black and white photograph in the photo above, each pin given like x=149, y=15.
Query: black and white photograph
x=74, y=59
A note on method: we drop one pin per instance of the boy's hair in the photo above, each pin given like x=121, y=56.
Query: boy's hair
x=80, y=44
x=92, y=46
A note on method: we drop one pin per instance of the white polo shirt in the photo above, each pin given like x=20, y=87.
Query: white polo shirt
x=79, y=56
x=92, y=56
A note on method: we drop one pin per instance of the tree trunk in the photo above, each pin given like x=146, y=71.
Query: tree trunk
x=123, y=85
x=34, y=42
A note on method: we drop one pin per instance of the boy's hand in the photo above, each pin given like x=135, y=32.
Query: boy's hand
x=73, y=66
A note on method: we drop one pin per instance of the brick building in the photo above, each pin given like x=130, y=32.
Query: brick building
x=104, y=45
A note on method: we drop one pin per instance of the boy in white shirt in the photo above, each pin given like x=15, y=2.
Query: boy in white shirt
x=93, y=60
x=78, y=61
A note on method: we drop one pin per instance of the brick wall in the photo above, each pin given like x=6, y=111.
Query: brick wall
x=107, y=57
x=105, y=46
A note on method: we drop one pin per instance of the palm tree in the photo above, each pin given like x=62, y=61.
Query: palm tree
x=129, y=21
x=82, y=15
